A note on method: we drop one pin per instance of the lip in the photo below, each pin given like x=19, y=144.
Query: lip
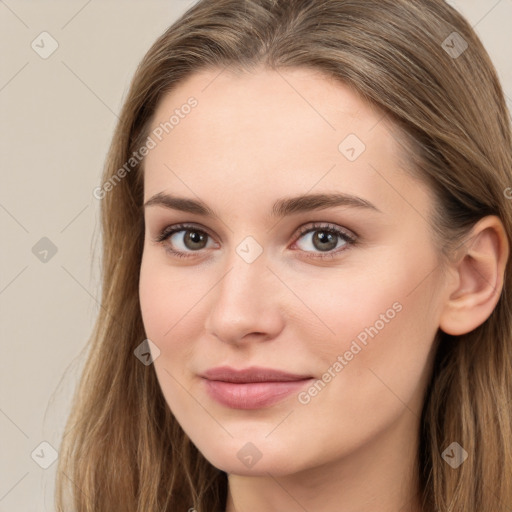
x=251, y=388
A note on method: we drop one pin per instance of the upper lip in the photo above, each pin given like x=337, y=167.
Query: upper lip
x=252, y=374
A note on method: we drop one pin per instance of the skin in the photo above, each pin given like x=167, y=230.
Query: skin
x=252, y=139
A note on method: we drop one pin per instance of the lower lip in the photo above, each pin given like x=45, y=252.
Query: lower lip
x=253, y=395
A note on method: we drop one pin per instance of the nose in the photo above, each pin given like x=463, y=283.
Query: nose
x=245, y=304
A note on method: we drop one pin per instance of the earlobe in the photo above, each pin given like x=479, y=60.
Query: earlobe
x=480, y=272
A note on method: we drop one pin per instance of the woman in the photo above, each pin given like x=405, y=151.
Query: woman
x=306, y=278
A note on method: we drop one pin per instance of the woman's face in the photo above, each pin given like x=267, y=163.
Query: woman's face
x=345, y=294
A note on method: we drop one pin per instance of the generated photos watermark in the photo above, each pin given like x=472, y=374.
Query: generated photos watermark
x=305, y=397
x=157, y=135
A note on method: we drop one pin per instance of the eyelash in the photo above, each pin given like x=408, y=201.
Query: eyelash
x=351, y=240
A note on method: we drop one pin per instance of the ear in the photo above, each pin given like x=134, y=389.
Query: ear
x=479, y=274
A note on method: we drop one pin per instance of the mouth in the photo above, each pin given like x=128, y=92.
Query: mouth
x=251, y=388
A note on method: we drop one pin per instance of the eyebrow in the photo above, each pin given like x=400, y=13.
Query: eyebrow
x=281, y=208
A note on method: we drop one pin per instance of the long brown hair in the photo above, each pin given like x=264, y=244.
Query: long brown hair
x=422, y=64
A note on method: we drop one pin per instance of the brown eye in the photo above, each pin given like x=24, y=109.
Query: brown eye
x=183, y=240
x=324, y=239
x=194, y=240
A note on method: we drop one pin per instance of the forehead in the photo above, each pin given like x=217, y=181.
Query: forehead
x=264, y=131
x=262, y=101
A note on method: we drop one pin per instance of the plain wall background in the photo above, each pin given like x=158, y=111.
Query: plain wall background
x=57, y=116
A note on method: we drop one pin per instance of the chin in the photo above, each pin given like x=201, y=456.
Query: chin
x=247, y=460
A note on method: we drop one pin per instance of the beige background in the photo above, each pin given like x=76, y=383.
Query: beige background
x=57, y=118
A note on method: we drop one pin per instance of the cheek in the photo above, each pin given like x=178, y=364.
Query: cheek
x=349, y=302
x=164, y=293
x=162, y=305
x=385, y=328
x=383, y=320
x=171, y=303
x=155, y=299
x=165, y=309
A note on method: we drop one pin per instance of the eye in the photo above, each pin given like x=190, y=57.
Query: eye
x=182, y=239
x=325, y=238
